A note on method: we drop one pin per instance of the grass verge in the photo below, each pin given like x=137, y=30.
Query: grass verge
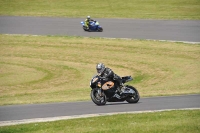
x=151, y=9
x=179, y=121
x=36, y=69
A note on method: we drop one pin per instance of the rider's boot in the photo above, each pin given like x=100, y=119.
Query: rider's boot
x=87, y=27
x=120, y=88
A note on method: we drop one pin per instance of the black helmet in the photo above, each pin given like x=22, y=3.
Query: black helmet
x=100, y=68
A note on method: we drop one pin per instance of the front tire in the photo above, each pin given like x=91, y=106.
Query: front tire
x=97, y=99
x=85, y=28
x=135, y=97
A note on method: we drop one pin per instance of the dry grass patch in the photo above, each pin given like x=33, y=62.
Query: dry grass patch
x=52, y=69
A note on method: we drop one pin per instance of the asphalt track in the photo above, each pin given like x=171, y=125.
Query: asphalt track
x=16, y=114
x=173, y=30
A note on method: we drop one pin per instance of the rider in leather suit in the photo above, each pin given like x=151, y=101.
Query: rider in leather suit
x=87, y=21
x=106, y=72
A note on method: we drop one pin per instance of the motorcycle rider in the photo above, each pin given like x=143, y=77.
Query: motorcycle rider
x=107, y=73
x=87, y=21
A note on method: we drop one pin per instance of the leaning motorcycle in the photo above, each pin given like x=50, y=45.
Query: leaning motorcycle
x=104, y=90
x=93, y=26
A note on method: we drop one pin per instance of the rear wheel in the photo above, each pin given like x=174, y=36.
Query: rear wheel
x=135, y=97
x=100, y=29
x=97, y=99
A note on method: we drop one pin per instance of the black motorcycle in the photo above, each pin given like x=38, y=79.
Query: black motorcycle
x=104, y=90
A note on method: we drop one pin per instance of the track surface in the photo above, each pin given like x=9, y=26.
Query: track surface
x=115, y=28
x=174, y=30
x=20, y=112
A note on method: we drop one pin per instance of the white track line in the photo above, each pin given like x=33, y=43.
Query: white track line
x=26, y=121
x=187, y=42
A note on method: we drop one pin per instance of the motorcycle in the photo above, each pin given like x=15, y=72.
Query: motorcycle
x=104, y=90
x=93, y=26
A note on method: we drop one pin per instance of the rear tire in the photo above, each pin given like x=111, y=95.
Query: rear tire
x=100, y=29
x=135, y=97
x=98, y=100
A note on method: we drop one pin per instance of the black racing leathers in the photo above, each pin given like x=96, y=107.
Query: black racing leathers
x=109, y=74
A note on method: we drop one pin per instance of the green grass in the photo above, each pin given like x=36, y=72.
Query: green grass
x=187, y=121
x=38, y=69
x=145, y=9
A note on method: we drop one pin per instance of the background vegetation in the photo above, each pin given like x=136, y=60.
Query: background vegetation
x=145, y=9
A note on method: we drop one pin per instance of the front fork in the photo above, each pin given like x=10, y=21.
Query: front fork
x=100, y=92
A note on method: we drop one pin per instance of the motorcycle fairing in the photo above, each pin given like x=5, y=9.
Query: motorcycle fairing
x=108, y=85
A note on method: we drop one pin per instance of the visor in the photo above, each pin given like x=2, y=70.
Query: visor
x=98, y=70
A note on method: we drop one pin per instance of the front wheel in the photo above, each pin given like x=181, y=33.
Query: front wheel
x=135, y=97
x=97, y=99
x=85, y=28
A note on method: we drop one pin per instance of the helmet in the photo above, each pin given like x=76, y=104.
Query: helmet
x=100, y=68
x=88, y=17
